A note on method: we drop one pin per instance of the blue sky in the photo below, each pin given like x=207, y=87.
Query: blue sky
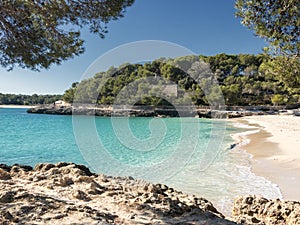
x=206, y=27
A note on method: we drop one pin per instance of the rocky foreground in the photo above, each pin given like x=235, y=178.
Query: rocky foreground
x=67, y=193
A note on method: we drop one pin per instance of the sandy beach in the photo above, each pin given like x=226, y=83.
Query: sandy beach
x=275, y=146
x=16, y=106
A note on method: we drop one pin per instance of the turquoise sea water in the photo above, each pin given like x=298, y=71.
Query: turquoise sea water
x=190, y=154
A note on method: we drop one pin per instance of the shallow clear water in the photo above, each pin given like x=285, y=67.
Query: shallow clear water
x=190, y=154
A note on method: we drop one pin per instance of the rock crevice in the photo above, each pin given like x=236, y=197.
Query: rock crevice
x=66, y=193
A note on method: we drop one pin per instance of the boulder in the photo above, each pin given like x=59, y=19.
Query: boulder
x=259, y=210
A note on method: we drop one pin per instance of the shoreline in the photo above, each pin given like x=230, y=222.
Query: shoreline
x=16, y=106
x=141, y=111
x=274, y=150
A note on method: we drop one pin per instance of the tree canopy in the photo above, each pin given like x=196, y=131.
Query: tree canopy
x=36, y=34
x=278, y=22
x=13, y=99
x=244, y=80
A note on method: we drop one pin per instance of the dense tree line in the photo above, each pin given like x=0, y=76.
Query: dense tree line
x=14, y=99
x=243, y=80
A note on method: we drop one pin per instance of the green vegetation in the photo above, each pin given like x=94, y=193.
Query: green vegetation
x=276, y=21
x=12, y=99
x=244, y=80
x=36, y=34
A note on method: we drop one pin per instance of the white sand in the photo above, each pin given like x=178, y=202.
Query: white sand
x=285, y=131
x=17, y=106
x=276, y=150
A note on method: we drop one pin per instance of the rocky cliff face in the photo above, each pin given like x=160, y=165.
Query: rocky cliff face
x=66, y=193
x=140, y=112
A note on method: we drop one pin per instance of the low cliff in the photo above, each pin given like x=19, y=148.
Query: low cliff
x=141, y=111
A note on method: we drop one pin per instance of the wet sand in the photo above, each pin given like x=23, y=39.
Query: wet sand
x=276, y=151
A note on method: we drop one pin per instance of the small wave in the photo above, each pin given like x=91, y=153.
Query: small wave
x=243, y=125
x=241, y=139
